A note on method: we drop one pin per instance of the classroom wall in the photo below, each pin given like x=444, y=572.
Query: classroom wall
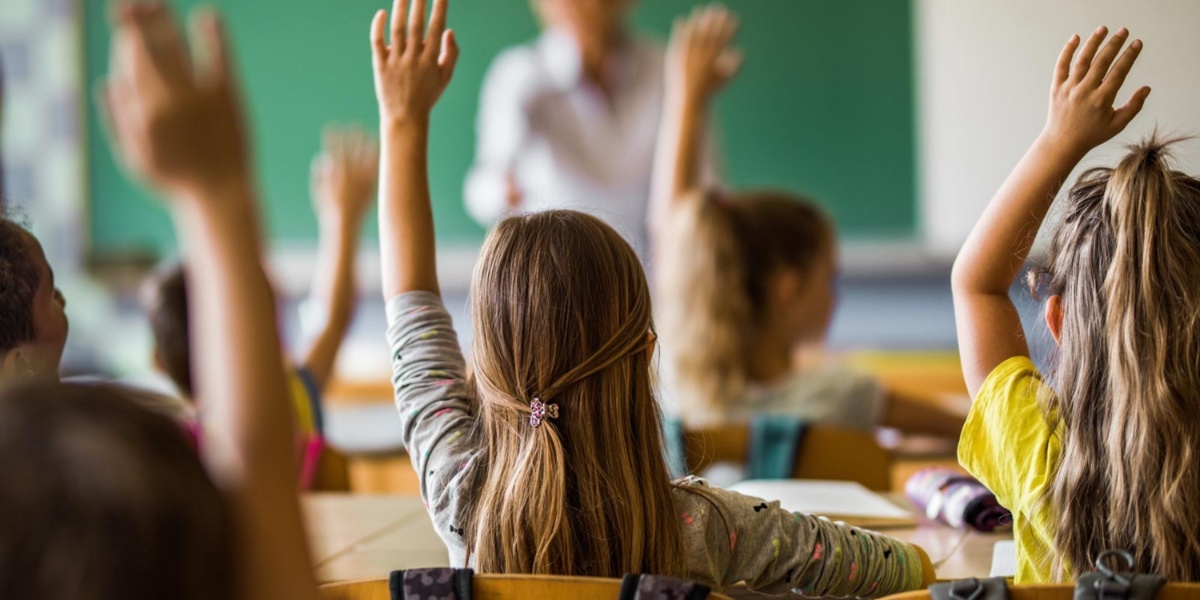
x=983, y=77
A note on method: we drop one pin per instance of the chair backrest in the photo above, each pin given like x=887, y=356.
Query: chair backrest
x=824, y=453
x=1171, y=591
x=499, y=587
x=333, y=472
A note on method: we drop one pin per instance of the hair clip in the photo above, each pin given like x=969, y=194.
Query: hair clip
x=541, y=411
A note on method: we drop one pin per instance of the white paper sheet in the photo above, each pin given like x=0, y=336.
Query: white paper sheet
x=1004, y=559
x=826, y=498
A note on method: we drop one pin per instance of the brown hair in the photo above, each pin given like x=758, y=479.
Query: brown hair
x=718, y=258
x=1125, y=261
x=104, y=500
x=562, y=313
x=19, y=280
x=166, y=302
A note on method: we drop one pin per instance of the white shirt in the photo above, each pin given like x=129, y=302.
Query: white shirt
x=565, y=144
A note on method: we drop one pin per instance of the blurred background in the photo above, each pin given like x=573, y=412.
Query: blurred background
x=900, y=116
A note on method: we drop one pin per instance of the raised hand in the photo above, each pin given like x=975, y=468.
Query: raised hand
x=412, y=72
x=344, y=176
x=701, y=59
x=1083, y=92
x=175, y=122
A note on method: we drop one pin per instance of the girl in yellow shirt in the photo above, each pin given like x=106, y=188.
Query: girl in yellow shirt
x=1103, y=455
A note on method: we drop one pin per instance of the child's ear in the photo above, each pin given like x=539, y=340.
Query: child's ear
x=1054, y=317
x=786, y=287
x=16, y=363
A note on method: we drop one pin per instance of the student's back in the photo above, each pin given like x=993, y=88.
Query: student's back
x=1102, y=454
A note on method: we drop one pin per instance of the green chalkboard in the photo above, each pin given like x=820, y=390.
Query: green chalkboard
x=823, y=105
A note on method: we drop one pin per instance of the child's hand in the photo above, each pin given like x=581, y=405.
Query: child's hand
x=344, y=176
x=1081, y=113
x=700, y=59
x=174, y=122
x=412, y=73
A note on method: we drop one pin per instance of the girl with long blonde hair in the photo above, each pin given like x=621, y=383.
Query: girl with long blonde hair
x=1101, y=454
x=746, y=278
x=553, y=463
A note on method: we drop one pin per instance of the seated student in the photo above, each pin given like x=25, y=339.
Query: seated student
x=553, y=463
x=745, y=278
x=344, y=180
x=106, y=501
x=1102, y=454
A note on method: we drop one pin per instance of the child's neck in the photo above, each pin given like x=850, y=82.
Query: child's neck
x=769, y=356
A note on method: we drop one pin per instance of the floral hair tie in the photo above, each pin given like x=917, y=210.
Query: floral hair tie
x=541, y=411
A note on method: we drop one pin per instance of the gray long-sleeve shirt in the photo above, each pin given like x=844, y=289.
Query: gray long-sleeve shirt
x=728, y=537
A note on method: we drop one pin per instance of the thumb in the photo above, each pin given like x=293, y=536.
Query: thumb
x=1124, y=115
x=729, y=63
x=216, y=61
x=448, y=58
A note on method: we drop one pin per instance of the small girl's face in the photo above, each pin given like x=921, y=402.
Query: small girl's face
x=811, y=310
x=49, y=317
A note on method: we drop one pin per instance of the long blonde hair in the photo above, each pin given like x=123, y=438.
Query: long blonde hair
x=1126, y=391
x=562, y=314
x=718, y=257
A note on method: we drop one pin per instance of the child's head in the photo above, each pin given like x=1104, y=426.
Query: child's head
x=562, y=315
x=1124, y=271
x=735, y=271
x=166, y=304
x=33, y=324
x=105, y=500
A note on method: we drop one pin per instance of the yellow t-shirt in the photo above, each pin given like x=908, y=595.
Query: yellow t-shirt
x=1008, y=445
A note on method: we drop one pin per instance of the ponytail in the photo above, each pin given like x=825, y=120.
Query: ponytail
x=1126, y=262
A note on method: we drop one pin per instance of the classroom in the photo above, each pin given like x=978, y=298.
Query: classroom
x=368, y=299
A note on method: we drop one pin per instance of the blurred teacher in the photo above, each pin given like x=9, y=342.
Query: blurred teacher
x=570, y=120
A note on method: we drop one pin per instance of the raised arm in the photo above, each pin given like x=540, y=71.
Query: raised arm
x=700, y=61
x=177, y=126
x=1081, y=117
x=410, y=76
x=344, y=176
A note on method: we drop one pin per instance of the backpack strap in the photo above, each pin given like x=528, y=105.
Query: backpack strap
x=440, y=583
x=1107, y=584
x=657, y=587
x=995, y=588
x=774, y=441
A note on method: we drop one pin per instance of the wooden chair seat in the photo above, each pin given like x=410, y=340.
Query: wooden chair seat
x=498, y=587
x=824, y=453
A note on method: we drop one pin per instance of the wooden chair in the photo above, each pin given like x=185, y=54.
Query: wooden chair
x=1171, y=591
x=498, y=587
x=333, y=472
x=824, y=453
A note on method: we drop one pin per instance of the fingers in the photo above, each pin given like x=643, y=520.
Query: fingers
x=437, y=28
x=379, y=45
x=1116, y=77
x=1125, y=114
x=448, y=59
x=1062, y=69
x=416, y=26
x=399, y=18
x=1084, y=60
x=1105, y=57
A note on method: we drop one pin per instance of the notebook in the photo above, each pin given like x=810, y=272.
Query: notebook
x=1004, y=559
x=836, y=500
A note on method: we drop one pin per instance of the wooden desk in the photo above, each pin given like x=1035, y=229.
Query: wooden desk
x=366, y=537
